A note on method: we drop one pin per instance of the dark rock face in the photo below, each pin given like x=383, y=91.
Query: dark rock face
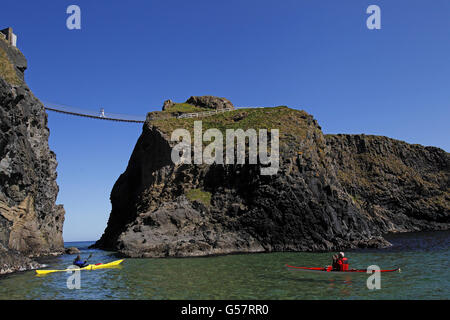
x=30, y=221
x=210, y=102
x=308, y=205
x=403, y=187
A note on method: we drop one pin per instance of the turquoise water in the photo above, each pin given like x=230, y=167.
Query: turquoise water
x=423, y=257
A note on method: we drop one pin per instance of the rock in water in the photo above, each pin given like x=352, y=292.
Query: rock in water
x=11, y=261
x=331, y=192
x=72, y=250
x=30, y=222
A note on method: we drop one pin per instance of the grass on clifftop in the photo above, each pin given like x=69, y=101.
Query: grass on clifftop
x=7, y=70
x=199, y=195
x=288, y=121
x=185, y=108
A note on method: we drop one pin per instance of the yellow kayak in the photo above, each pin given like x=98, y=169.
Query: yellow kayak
x=88, y=267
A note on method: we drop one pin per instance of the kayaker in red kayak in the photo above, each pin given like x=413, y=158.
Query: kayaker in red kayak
x=341, y=263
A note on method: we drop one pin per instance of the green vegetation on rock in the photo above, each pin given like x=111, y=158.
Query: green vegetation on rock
x=184, y=108
x=290, y=122
x=199, y=195
x=7, y=70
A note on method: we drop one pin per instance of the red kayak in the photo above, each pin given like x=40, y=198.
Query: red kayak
x=326, y=270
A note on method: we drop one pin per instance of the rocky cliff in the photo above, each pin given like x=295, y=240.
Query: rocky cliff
x=330, y=192
x=402, y=187
x=30, y=221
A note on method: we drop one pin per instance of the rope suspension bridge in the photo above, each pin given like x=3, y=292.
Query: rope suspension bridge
x=102, y=115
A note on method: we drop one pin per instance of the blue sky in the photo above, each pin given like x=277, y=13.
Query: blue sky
x=314, y=55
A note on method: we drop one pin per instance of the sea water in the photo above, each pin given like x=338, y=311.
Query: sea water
x=424, y=259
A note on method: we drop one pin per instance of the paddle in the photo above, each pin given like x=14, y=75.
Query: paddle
x=88, y=258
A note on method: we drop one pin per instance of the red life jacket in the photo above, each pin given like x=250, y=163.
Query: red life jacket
x=343, y=264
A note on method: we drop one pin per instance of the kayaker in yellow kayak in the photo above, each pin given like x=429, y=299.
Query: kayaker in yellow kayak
x=109, y=265
x=79, y=263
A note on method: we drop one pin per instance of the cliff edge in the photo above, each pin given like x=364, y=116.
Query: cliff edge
x=31, y=223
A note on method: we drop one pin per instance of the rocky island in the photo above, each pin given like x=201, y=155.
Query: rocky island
x=31, y=223
x=331, y=192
